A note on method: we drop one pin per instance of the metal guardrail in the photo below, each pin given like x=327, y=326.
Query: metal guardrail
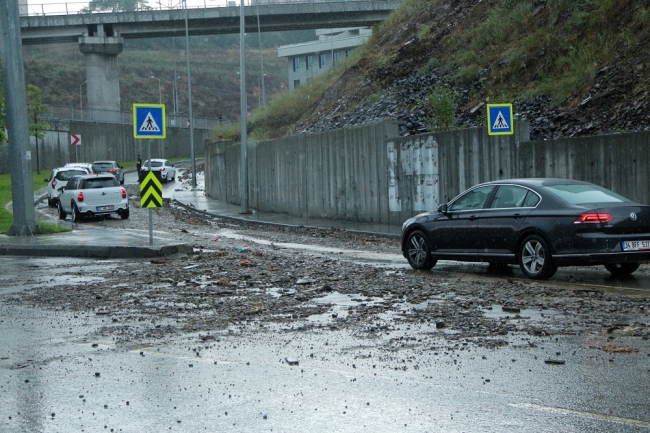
x=70, y=8
x=59, y=113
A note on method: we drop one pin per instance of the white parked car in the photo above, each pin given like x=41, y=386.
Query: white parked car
x=89, y=195
x=85, y=165
x=58, y=178
x=162, y=167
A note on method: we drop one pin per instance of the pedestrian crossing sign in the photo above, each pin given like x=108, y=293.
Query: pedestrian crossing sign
x=149, y=121
x=499, y=119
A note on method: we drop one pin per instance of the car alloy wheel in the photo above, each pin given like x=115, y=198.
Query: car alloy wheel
x=76, y=216
x=418, y=251
x=535, y=258
x=621, y=269
x=62, y=213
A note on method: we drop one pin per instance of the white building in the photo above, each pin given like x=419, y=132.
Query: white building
x=310, y=59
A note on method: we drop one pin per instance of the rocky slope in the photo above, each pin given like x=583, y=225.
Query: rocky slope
x=615, y=100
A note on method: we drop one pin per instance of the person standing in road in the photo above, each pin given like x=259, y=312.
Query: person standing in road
x=138, y=167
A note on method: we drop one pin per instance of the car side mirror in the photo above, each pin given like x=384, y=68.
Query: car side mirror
x=442, y=208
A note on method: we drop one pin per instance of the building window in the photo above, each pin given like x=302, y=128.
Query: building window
x=309, y=62
x=347, y=53
x=296, y=63
x=336, y=56
x=321, y=60
x=296, y=83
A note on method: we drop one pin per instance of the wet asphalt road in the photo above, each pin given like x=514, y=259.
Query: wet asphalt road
x=57, y=374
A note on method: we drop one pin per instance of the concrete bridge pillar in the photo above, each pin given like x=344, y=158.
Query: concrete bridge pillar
x=101, y=47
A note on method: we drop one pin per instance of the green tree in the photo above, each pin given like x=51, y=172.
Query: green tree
x=35, y=109
x=116, y=6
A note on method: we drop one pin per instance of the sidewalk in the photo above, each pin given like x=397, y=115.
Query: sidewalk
x=196, y=200
x=88, y=241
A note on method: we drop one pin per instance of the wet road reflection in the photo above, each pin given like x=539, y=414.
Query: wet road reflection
x=61, y=371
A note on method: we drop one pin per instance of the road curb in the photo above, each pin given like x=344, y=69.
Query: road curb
x=89, y=251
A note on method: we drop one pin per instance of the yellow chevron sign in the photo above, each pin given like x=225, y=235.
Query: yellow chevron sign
x=150, y=191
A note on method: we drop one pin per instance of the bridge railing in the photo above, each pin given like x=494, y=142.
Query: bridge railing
x=78, y=7
x=56, y=112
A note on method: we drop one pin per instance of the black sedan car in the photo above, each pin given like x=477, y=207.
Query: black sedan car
x=539, y=224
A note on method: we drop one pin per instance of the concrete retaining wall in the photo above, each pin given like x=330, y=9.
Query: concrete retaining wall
x=367, y=174
x=104, y=141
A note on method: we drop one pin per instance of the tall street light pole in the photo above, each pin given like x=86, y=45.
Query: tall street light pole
x=20, y=150
x=81, y=99
x=189, y=95
x=259, y=38
x=243, y=171
x=159, y=92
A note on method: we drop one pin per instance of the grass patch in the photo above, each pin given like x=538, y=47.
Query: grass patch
x=289, y=108
x=7, y=218
x=442, y=103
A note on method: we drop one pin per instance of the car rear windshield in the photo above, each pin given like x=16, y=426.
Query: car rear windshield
x=585, y=194
x=100, y=182
x=153, y=164
x=102, y=165
x=67, y=174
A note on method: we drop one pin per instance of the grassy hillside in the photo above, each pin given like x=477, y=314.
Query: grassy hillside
x=59, y=70
x=570, y=60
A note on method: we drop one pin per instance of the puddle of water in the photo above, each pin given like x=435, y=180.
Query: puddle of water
x=395, y=260
x=278, y=292
x=496, y=312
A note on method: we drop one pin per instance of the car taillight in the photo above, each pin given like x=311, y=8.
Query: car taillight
x=162, y=169
x=123, y=193
x=111, y=170
x=53, y=183
x=594, y=218
x=80, y=196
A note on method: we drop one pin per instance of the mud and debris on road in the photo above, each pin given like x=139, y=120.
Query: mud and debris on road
x=244, y=272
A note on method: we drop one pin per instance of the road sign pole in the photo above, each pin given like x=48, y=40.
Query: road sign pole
x=149, y=123
x=150, y=213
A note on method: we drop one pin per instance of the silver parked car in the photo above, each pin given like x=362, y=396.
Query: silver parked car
x=111, y=167
x=93, y=194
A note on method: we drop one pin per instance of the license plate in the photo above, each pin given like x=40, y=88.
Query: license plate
x=636, y=245
x=100, y=208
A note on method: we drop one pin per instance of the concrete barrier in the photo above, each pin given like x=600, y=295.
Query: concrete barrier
x=368, y=174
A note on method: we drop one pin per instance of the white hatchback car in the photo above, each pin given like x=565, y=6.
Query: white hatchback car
x=93, y=194
x=161, y=167
x=85, y=165
x=58, y=178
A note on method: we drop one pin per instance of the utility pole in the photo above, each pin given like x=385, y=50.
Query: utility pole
x=189, y=96
x=20, y=153
x=243, y=171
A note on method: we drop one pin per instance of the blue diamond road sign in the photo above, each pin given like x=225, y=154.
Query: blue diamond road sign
x=499, y=119
x=149, y=121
